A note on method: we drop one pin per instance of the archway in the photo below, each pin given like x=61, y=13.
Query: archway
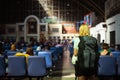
x=31, y=28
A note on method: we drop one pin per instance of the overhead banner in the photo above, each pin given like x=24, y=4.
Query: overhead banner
x=69, y=28
x=88, y=19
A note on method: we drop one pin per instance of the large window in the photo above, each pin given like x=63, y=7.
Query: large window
x=112, y=37
x=11, y=30
x=32, y=27
x=21, y=28
x=55, y=29
x=42, y=28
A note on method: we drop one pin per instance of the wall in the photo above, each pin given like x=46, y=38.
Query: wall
x=99, y=29
x=114, y=25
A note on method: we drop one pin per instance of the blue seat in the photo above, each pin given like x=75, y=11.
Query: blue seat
x=112, y=49
x=55, y=55
x=34, y=47
x=16, y=66
x=107, y=66
x=118, y=68
x=59, y=50
x=36, y=52
x=2, y=66
x=52, y=48
x=7, y=47
x=10, y=52
x=116, y=54
x=24, y=48
x=48, y=58
x=36, y=66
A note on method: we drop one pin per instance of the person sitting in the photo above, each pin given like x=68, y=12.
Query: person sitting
x=29, y=52
x=46, y=48
x=105, y=50
x=13, y=47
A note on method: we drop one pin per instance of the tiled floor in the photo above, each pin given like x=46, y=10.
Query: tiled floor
x=64, y=69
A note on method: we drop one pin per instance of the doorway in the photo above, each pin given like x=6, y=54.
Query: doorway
x=112, y=37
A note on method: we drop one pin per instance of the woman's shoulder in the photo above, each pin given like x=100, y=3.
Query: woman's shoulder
x=100, y=50
x=21, y=54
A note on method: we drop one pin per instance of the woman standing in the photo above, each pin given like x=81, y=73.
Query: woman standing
x=83, y=46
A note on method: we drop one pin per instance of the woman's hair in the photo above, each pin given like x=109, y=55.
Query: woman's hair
x=105, y=46
x=29, y=51
x=84, y=30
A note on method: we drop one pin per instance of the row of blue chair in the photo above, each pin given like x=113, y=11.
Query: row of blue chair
x=116, y=53
x=17, y=67
x=48, y=58
x=56, y=52
x=53, y=53
x=109, y=66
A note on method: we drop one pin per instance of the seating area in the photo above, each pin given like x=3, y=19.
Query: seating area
x=18, y=67
x=116, y=54
x=39, y=65
x=36, y=67
x=109, y=66
x=42, y=64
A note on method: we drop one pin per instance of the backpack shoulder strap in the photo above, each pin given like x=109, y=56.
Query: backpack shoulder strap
x=81, y=47
x=81, y=44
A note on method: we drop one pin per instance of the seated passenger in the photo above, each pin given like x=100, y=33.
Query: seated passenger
x=46, y=48
x=38, y=48
x=29, y=52
x=105, y=50
x=13, y=46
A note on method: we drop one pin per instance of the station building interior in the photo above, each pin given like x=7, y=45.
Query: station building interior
x=58, y=21
x=17, y=16
x=17, y=13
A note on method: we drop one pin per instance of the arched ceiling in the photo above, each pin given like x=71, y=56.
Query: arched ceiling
x=19, y=9
x=92, y=5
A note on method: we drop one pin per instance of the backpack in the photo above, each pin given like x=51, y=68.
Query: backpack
x=88, y=55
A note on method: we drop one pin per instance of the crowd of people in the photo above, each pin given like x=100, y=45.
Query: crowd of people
x=80, y=48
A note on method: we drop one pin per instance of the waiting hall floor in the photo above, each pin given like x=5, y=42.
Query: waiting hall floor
x=64, y=69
